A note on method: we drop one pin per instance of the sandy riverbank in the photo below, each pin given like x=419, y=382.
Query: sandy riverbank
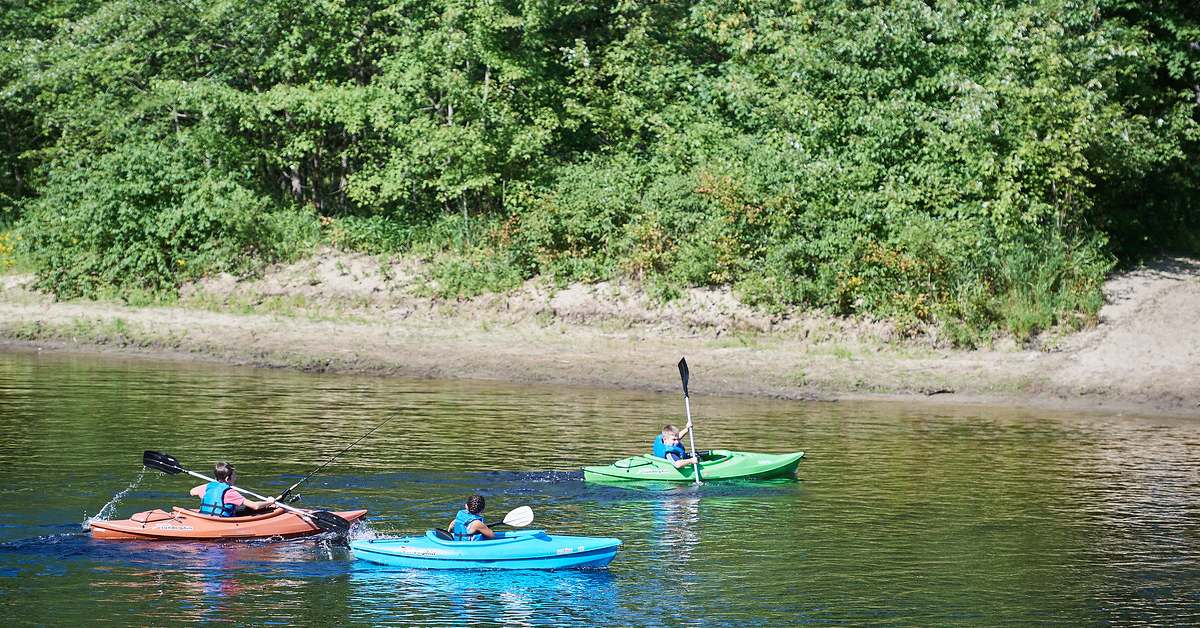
x=354, y=313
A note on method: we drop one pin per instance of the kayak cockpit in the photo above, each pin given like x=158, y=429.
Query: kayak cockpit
x=274, y=512
x=441, y=537
x=715, y=456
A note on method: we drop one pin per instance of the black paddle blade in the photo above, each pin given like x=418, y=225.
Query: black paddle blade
x=161, y=462
x=330, y=522
x=683, y=374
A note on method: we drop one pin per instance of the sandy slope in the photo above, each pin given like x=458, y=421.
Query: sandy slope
x=356, y=313
x=1146, y=348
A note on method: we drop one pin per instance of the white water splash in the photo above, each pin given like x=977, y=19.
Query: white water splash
x=362, y=531
x=107, y=510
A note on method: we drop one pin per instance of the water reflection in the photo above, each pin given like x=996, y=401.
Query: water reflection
x=675, y=517
x=206, y=580
x=215, y=581
x=524, y=598
x=902, y=515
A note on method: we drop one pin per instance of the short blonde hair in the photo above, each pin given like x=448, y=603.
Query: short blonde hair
x=670, y=429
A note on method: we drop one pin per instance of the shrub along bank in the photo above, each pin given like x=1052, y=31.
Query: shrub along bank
x=976, y=165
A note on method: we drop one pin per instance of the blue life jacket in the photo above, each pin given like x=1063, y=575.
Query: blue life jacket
x=461, y=521
x=661, y=450
x=213, y=502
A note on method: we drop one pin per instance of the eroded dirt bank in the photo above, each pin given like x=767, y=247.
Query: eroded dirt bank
x=359, y=314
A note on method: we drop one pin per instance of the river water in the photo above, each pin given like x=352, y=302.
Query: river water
x=900, y=515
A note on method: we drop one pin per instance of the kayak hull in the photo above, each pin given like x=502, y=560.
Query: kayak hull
x=719, y=464
x=524, y=549
x=182, y=524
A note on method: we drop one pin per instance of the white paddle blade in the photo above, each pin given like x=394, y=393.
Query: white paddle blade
x=519, y=517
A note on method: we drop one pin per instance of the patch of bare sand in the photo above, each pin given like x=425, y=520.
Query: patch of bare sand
x=357, y=313
x=1146, y=348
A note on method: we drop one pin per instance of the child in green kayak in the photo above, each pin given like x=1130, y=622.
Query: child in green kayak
x=468, y=524
x=669, y=445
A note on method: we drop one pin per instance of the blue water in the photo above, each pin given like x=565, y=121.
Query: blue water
x=900, y=515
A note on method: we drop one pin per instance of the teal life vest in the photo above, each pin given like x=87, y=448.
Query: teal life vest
x=661, y=450
x=461, y=521
x=213, y=502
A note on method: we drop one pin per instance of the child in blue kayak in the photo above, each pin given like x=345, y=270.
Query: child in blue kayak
x=468, y=524
x=220, y=499
x=669, y=445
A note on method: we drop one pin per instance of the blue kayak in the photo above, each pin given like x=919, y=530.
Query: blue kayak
x=522, y=549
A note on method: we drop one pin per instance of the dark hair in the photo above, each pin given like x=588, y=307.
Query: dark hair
x=224, y=471
x=475, y=504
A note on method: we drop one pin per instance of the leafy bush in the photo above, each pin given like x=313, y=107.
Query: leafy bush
x=973, y=165
x=144, y=217
x=370, y=234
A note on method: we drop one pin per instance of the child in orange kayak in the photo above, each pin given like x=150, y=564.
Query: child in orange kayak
x=468, y=524
x=220, y=499
x=669, y=445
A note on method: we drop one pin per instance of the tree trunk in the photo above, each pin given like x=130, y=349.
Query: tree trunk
x=297, y=185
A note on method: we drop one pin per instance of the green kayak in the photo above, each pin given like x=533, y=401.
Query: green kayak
x=718, y=464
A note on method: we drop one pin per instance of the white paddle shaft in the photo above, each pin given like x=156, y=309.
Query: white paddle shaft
x=252, y=494
x=687, y=406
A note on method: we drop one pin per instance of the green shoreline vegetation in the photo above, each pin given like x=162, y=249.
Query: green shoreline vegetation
x=975, y=165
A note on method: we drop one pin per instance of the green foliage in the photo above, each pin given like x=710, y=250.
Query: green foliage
x=469, y=275
x=8, y=251
x=144, y=217
x=370, y=234
x=972, y=165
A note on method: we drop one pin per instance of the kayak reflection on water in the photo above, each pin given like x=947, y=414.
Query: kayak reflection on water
x=676, y=519
x=520, y=597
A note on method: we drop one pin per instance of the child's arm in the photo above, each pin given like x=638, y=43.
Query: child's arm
x=680, y=462
x=479, y=527
x=253, y=505
x=199, y=491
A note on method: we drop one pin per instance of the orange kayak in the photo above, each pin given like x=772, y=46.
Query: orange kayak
x=182, y=524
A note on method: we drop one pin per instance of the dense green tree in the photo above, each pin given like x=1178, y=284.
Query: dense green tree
x=975, y=164
x=24, y=25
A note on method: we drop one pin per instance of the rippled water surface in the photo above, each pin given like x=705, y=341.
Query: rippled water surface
x=901, y=515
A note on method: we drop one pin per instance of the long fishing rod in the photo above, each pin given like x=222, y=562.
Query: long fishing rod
x=284, y=495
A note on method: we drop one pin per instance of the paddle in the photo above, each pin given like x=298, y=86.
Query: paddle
x=324, y=520
x=284, y=495
x=687, y=405
x=517, y=518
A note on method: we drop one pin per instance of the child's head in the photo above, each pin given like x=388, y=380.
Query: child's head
x=475, y=504
x=670, y=433
x=224, y=472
